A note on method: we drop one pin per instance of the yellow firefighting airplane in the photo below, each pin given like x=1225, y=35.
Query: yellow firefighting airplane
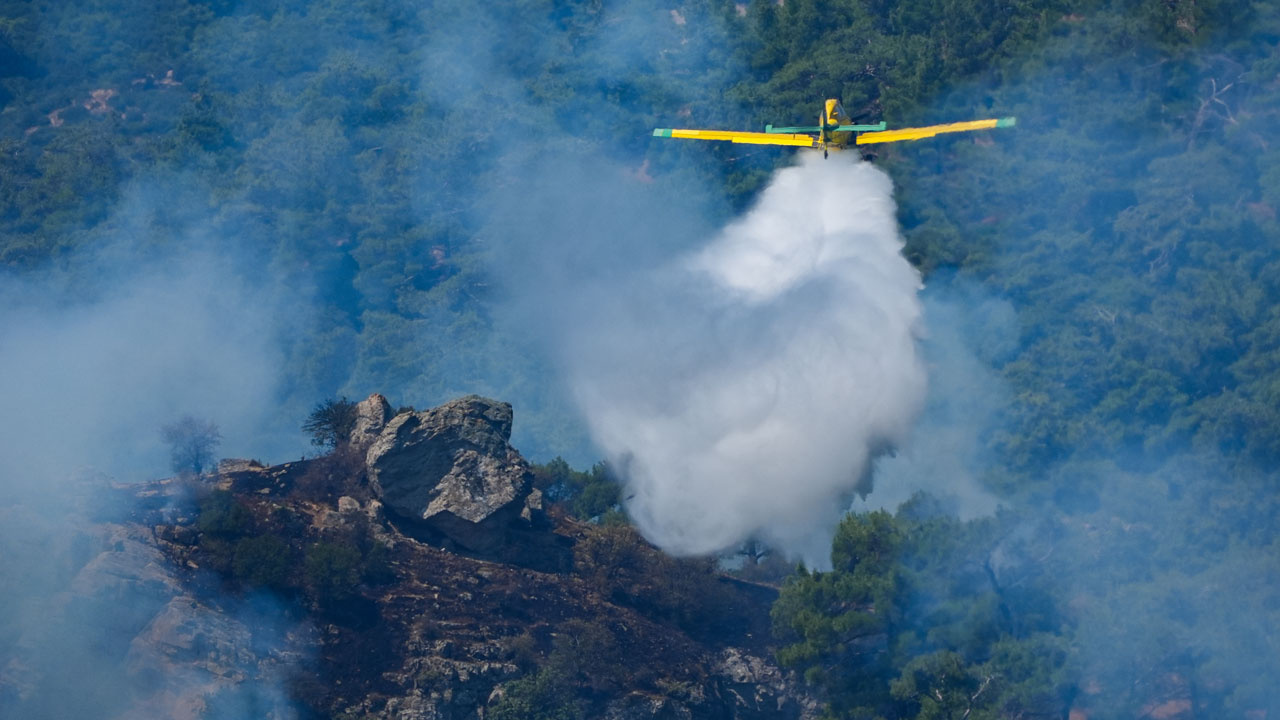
x=833, y=131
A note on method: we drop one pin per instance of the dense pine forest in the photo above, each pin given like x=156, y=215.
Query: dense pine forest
x=373, y=166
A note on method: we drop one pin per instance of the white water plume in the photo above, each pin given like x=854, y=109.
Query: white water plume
x=743, y=389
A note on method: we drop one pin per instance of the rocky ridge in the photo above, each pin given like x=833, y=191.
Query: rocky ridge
x=400, y=594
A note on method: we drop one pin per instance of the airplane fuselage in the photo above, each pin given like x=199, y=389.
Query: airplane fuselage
x=833, y=116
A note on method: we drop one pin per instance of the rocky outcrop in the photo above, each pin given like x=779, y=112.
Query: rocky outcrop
x=372, y=415
x=226, y=466
x=756, y=687
x=133, y=638
x=453, y=470
x=188, y=635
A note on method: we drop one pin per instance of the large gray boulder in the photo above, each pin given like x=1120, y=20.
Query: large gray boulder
x=372, y=415
x=452, y=468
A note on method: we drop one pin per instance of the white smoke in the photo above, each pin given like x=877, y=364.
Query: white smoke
x=744, y=388
x=94, y=359
x=946, y=457
x=96, y=379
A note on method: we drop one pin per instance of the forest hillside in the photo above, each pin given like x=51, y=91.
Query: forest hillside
x=235, y=210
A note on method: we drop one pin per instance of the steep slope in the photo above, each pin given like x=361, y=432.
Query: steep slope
x=291, y=589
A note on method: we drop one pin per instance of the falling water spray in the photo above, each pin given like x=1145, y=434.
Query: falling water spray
x=744, y=388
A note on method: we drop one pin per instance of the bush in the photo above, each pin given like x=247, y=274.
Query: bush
x=586, y=656
x=523, y=650
x=223, y=516
x=545, y=695
x=218, y=554
x=589, y=654
x=377, y=565
x=586, y=495
x=262, y=561
x=611, y=558
x=332, y=571
x=331, y=423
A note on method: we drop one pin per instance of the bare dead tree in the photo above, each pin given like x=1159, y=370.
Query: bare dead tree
x=191, y=444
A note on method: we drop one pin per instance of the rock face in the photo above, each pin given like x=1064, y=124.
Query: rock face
x=125, y=636
x=453, y=469
x=758, y=688
x=372, y=415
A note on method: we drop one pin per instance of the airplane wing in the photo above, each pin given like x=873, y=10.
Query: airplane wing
x=932, y=130
x=750, y=138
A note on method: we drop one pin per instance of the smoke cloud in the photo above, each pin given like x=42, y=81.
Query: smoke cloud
x=97, y=378
x=946, y=456
x=98, y=354
x=744, y=387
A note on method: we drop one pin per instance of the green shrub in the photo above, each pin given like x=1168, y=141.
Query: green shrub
x=262, y=561
x=222, y=515
x=586, y=495
x=332, y=571
x=545, y=695
x=376, y=568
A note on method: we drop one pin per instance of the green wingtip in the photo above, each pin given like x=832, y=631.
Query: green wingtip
x=862, y=128
x=1007, y=122
x=662, y=132
x=804, y=129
